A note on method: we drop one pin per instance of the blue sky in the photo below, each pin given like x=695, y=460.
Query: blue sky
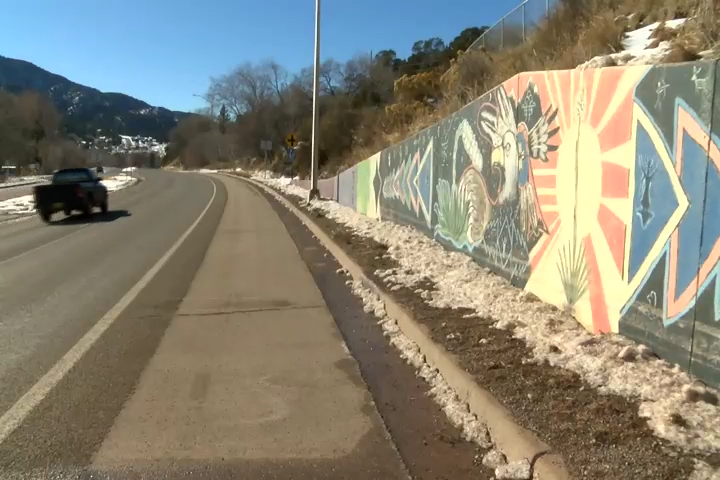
x=164, y=51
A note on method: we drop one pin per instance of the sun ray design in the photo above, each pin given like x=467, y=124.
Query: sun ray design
x=588, y=200
x=595, y=75
x=552, y=96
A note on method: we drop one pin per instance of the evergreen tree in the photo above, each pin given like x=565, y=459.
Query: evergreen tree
x=223, y=119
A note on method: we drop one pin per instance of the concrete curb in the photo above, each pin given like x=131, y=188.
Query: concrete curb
x=515, y=441
x=15, y=219
x=21, y=184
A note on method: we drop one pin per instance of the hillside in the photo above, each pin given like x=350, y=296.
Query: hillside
x=86, y=110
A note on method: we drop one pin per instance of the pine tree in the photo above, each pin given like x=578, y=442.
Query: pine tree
x=223, y=119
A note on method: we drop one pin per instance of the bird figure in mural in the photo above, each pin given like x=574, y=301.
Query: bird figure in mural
x=513, y=145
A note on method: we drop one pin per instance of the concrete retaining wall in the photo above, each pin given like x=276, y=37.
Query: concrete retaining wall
x=597, y=190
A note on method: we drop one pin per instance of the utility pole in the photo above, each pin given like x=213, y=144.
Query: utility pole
x=314, y=192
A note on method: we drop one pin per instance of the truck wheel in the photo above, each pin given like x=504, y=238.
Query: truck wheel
x=45, y=216
x=104, y=207
x=87, y=209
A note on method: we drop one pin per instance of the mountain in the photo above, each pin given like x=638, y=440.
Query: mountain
x=86, y=110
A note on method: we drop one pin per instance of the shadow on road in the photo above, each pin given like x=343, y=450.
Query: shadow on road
x=95, y=217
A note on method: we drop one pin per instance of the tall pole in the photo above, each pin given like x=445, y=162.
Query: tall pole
x=314, y=192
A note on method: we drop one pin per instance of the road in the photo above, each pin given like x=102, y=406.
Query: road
x=7, y=193
x=197, y=332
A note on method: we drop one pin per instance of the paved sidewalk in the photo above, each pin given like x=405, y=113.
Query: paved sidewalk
x=252, y=374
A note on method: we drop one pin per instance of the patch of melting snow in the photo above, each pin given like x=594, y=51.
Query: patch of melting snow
x=18, y=205
x=520, y=470
x=666, y=393
x=636, y=49
x=704, y=472
x=119, y=182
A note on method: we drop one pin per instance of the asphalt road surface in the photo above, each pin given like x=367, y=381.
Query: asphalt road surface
x=7, y=193
x=194, y=332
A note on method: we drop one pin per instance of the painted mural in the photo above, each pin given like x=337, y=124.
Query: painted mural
x=486, y=199
x=346, y=194
x=405, y=180
x=366, y=196
x=598, y=190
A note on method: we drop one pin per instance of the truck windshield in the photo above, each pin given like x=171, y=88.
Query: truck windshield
x=72, y=176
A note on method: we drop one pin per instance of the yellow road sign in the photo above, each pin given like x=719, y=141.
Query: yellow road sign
x=291, y=140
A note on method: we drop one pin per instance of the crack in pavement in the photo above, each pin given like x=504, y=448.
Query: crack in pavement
x=246, y=310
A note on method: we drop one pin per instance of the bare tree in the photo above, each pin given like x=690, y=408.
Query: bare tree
x=39, y=120
x=267, y=103
x=331, y=77
x=243, y=90
x=62, y=154
x=277, y=78
x=13, y=147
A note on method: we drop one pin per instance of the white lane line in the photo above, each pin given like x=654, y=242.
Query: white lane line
x=14, y=417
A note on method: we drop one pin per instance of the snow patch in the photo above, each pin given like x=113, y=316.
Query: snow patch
x=119, y=182
x=494, y=459
x=550, y=334
x=18, y=205
x=129, y=144
x=520, y=470
x=636, y=49
x=703, y=471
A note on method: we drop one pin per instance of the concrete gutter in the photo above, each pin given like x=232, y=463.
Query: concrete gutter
x=515, y=441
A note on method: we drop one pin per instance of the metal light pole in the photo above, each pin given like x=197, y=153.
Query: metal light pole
x=314, y=192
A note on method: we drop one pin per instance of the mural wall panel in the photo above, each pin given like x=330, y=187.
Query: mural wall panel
x=346, y=187
x=598, y=190
x=705, y=359
x=405, y=178
x=672, y=119
x=367, y=186
x=486, y=199
x=326, y=186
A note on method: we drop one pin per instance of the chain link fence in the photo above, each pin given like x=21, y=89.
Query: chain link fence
x=516, y=26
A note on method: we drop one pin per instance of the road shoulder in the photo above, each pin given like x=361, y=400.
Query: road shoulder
x=251, y=372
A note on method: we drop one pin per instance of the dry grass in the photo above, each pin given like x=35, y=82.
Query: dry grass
x=701, y=34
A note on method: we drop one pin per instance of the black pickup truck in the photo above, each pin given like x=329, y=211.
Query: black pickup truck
x=71, y=189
